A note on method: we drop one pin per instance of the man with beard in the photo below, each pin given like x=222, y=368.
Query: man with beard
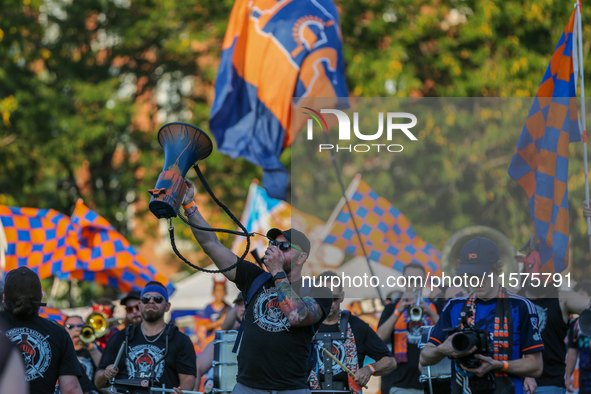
x=554, y=308
x=45, y=346
x=153, y=349
x=349, y=339
x=509, y=321
x=281, y=316
x=131, y=302
x=88, y=356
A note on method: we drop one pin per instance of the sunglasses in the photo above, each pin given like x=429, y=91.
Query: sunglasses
x=284, y=246
x=157, y=299
x=134, y=308
x=70, y=326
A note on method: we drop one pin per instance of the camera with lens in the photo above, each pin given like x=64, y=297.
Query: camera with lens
x=466, y=338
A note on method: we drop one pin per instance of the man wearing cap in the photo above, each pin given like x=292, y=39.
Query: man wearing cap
x=234, y=317
x=131, y=302
x=153, y=350
x=511, y=321
x=45, y=346
x=280, y=318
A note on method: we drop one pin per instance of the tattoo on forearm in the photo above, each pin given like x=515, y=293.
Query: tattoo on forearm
x=297, y=310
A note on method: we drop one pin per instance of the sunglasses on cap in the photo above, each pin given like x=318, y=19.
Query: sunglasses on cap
x=70, y=326
x=157, y=299
x=134, y=308
x=284, y=246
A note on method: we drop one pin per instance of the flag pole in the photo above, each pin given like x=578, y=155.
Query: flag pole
x=583, y=116
x=340, y=179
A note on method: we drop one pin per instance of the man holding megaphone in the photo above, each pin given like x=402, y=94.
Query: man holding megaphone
x=281, y=316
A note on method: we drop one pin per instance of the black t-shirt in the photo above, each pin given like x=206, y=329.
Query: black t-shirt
x=46, y=348
x=406, y=375
x=144, y=356
x=554, y=330
x=274, y=355
x=367, y=343
x=88, y=369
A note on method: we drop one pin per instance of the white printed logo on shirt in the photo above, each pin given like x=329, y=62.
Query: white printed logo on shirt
x=268, y=314
x=543, y=316
x=34, y=348
x=338, y=350
x=145, y=359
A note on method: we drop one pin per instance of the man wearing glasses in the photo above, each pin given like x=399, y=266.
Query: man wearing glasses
x=89, y=355
x=154, y=350
x=281, y=317
x=131, y=302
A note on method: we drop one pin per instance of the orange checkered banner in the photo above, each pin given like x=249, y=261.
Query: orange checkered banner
x=53, y=314
x=540, y=162
x=273, y=51
x=387, y=235
x=84, y=247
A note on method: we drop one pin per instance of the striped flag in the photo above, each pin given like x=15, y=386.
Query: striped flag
x=272, y=52
x=540, y=162
x=387, y=235
x=83, y=247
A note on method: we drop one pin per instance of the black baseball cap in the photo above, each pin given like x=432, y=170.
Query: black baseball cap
x=23, y=281
x=132, y=295
x=478, y=256
x=294, y=236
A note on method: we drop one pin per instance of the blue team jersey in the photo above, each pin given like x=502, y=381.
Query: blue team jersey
x=526, y=335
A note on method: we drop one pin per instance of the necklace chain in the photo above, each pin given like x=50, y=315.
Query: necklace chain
x=146, y=338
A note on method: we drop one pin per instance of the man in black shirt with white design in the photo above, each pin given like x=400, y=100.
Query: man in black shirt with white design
x=153, y=350
x=280, y=318
x=45, y=346
x=88, y=356
x=350, y=339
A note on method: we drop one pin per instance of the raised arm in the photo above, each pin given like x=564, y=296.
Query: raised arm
x=221, y=256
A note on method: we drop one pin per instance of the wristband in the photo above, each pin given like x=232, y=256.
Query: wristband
x=189, y=212
x=373, y=370
x=505, y=366
x=397, y=313
x=191, y=204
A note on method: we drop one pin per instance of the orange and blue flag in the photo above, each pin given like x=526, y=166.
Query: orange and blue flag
x=53, y=314
x=83, y=247
x=540, y=162
x=272, y=52
x=387, y=235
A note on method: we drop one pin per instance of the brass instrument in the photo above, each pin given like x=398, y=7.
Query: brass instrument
x=87, y=335
x=97, y=326
x=416, y=312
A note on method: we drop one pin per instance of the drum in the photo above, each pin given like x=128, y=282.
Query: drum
x=225, y=363
x=438, y=376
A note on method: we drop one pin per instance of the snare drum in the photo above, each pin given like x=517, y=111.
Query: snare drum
x=225, y=363
x=438, y=375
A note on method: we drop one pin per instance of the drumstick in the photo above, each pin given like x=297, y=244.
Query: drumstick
x=351, y=374
x=119, y=354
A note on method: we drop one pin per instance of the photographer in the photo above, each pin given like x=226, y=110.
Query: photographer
x=499, y=342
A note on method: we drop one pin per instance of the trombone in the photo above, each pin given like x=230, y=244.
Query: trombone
x=97, y=326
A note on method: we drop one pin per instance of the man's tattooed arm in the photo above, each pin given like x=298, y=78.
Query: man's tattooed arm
x=299, y=311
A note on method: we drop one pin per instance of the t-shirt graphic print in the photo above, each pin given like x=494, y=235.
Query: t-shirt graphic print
x=35, y=350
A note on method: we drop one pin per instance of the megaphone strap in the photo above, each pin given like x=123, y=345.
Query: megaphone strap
x=243, y=233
